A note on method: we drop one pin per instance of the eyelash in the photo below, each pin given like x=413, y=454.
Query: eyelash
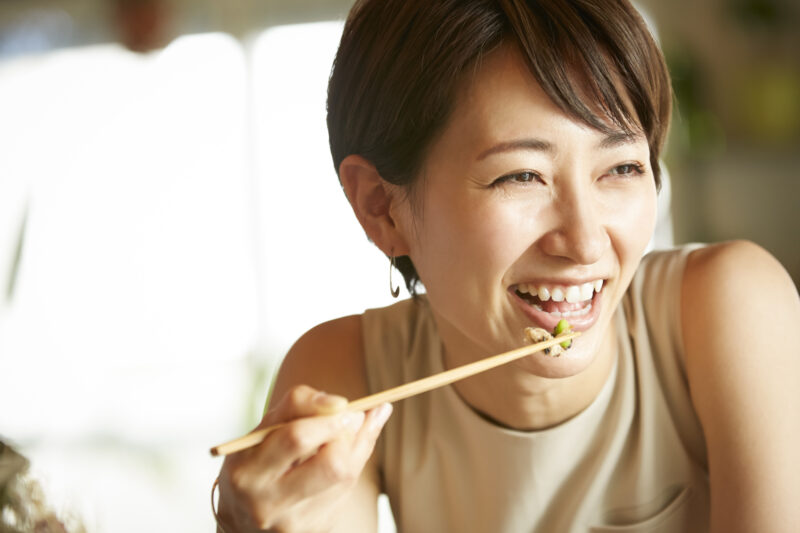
x=636, y=169
x=529, y=176
x=633, y=169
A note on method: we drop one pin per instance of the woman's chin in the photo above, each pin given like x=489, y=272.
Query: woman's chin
x=569, y=363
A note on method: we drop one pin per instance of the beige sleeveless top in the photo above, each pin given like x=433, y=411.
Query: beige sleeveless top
x=633, y=461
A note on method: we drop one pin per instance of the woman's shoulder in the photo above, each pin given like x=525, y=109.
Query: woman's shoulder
x=328, y=357
x=332, y=356
x=738, y=305
x=735, y=283
x=727, y=280
x=740, y=313
x=733, y=258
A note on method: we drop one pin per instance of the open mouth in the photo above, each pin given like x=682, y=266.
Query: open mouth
x=554, y=302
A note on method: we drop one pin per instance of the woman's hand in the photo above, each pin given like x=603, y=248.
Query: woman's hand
x=302, y=473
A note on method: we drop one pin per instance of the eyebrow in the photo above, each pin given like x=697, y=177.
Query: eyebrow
x=612, y=140
x=536, y=145
x=619, y=138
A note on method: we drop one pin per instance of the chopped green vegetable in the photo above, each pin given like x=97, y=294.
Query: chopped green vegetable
x=563, y=327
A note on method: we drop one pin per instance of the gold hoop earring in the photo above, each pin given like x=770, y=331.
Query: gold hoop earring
x=394, y=290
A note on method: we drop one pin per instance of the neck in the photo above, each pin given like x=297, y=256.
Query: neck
x=514, y=398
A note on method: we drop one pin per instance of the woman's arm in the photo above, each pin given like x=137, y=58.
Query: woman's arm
x=315, y=474
x=741, y=329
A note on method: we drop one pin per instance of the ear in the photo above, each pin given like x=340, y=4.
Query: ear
x=372, y=199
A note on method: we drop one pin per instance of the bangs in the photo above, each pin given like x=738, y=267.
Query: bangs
x=598, y=64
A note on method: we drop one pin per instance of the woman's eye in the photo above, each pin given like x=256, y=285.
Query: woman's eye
x=518, y=177
x=627, y=169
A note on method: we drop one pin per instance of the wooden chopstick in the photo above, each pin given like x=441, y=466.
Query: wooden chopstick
x=405, y=391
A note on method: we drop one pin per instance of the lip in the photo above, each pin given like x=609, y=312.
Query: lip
x=548, y=322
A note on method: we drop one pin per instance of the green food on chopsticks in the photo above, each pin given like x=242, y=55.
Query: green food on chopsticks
x=535, y=335
x=563, y=327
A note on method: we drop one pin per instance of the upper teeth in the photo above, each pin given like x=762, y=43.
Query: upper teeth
x=572, y=293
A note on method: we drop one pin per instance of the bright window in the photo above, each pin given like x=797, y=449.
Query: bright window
x=184, y=226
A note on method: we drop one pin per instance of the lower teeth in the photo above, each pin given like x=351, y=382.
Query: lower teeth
x=566, y=314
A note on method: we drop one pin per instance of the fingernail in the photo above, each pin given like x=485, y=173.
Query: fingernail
x=329, y=403
x=380, y=416
x=352, y=420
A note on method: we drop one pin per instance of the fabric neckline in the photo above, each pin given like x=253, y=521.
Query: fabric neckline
x=593, y=411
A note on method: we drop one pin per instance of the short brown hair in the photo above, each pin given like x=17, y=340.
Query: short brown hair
x=400, y=63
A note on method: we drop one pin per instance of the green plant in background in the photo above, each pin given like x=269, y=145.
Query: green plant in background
x=762, y=14
x=262, y=371
x=768, y=100
x=16, y=258
x=697, y=128
x=751, y=99
x=767, y=93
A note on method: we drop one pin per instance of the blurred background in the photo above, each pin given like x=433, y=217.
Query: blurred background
x=167, y=202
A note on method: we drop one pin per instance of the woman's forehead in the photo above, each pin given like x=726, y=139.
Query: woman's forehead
x=501, y=101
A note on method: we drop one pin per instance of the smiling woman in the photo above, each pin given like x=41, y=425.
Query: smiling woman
x=559, y=188
x=505, y=156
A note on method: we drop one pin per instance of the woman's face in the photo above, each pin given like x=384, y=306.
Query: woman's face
x=520, y=206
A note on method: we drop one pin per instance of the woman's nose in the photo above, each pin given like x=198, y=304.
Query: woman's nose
x=578, y=234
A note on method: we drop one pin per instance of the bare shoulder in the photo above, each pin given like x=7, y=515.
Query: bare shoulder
x=740, y=315
x=739, y=309
x=328, y=357
x=737, y=260
x=736, y=291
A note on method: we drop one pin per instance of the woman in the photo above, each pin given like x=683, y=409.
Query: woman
x=505, y=155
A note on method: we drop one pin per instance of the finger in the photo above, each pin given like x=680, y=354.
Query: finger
x=340, y=461
x=328, y=469
x=364, y=444
x=368, y=434
x=300, y=439
x=258, y=474
x=302, y=401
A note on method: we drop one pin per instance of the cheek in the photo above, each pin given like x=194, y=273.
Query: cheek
x=498, y=234
x=647, y=216
x=468, y=243
x=633, y=225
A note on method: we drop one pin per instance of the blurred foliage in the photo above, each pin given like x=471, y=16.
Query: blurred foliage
x=768, y=101
x=735, y=67
x=696, y=127
x=262, y=371
x=16, y=258
x=737, y=82
x=763, y=14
